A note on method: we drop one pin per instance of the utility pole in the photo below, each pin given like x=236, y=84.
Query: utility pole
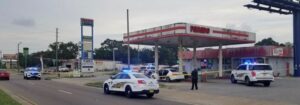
x=18, y=57
x=128, y=49
x=56, y=51
x=139, y=54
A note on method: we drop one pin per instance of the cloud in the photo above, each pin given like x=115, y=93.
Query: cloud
x=25, y=22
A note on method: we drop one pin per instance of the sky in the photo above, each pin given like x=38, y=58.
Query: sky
x=33, y=22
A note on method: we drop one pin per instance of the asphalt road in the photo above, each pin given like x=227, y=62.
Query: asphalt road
x=45, y=92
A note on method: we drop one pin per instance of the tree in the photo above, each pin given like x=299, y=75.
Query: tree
x=270, y=42
x=146, y=55
x=106, y=51
x=168, y=55
x=65, y=50
x=267, y=42
x=288, y=44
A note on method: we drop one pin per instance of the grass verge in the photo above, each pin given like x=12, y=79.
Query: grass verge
x=95, y=84
x=6, y=99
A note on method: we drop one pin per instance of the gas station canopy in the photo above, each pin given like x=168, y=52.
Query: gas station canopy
x=190, y=35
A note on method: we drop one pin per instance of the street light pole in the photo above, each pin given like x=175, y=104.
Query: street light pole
x=128, y=49
x=56, y=52
x=114, y=59
x=18, y=57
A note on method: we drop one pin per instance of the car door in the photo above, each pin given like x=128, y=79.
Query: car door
x=240, y=72
x=114, y=82
x=123, y=81
x=120, y=82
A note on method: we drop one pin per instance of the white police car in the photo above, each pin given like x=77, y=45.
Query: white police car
x=131, y=84
x=32, y=72
x=253, y=73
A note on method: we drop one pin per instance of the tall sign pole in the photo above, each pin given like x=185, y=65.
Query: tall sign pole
x=87, y=46
x=128, y=49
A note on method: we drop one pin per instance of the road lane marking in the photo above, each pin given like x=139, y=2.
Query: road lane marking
x=31, y=83
x=63, y=91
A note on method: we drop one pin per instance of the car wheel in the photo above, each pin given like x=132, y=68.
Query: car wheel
x=168, y=79
x=106, y=89
x=7, y=78
x=248, y=82
x=267, y=84
x=233, y=80
x=128, y=92
x=150, y=95
x=39, y=78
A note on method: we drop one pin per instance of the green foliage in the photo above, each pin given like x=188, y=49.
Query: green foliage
x=266, y=42
x=6, y=99
x=95, y=84
x=270, y=42
x=167, y=55
x=67, y=50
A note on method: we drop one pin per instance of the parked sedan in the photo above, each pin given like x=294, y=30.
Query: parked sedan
x=63, y=69
x=4, y=74
x=170, y=74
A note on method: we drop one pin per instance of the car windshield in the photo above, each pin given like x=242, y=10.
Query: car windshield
x=143, y=67
x=260, y=67
x=32, y=69
x=174, y=70
x=139, y=76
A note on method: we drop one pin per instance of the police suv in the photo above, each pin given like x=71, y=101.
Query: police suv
x=253, y=73
x=131, y=84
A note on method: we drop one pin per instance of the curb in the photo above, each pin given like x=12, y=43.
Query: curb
x=22, y=100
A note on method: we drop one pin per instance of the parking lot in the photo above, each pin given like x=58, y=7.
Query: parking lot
x=282, y=90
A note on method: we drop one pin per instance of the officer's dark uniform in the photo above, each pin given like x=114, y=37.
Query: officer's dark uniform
x=194, y=79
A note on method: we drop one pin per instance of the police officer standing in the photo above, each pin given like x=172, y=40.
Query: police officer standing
x=194, y=79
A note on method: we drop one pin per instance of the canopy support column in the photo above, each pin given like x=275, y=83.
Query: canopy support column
x=180, y=56
x=220, y=61
x=156, y=57
x=194, y=58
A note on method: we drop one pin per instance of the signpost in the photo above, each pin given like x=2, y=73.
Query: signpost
x=87, y=48
x=25, y=52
